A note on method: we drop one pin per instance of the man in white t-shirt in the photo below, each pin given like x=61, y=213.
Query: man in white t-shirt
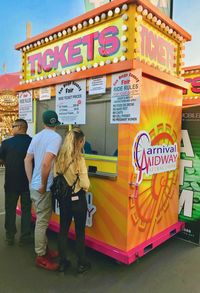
x=43, y=151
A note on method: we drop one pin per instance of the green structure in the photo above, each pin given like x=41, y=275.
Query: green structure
x=189, y=204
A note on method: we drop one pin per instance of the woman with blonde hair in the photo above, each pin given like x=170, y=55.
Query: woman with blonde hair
x=71, y=163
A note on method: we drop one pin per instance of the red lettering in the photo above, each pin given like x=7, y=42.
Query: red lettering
x=185, y=91
x=156, y=48
x=196, y=85
x=59, y=56
x=151, y=45
x=161, y=54
x=35, y=62
x=48, y=55
x=88, y=40
x=143, y=38
x=73, y=52
x=69, y=53
x=109, y=42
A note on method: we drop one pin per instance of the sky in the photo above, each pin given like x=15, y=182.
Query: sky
x=46, y=14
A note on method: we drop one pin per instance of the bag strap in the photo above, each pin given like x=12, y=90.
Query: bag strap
x=77, y=177
x=65, y=169
x=74, y=184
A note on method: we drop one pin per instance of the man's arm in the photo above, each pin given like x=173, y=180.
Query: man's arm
x=46, y=167
x=28, y=162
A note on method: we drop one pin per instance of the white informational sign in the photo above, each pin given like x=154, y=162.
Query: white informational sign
x=45, y=93
x=71, y=102
x=25, y=106
x=125, y=97
x=97, y=85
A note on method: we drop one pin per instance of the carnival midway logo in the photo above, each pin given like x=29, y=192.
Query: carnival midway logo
x=152, y=159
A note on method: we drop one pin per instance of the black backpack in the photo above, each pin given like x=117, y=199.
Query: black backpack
x=60, y=188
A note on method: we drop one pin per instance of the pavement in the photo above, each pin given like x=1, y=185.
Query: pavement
x=170, y=268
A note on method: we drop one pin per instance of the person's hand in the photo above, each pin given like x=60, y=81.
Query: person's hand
x=1, y=163
x=42, y=189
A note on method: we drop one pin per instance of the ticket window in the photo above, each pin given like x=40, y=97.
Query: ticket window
x=102, y=137
x=99, y=133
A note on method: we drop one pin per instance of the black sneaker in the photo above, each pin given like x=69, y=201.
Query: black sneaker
x=64, y=265
x=82, y=268
x=10, y=241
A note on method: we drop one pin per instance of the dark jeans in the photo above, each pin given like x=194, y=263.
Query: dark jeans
x=78, y=210
x=11, y=199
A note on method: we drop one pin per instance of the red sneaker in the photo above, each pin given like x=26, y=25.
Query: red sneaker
x=45, y=263
x=50, y=254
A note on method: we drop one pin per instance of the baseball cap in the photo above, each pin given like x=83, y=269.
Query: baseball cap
x=50, y=118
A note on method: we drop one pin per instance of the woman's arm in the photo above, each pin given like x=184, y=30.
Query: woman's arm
x=84, y=181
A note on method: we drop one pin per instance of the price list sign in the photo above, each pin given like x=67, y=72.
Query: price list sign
x=71, y=102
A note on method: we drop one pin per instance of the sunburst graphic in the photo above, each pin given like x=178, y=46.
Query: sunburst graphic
x=155, y=190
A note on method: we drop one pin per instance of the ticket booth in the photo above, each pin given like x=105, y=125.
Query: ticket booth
x=116, y=72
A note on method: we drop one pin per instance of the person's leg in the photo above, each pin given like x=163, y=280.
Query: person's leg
x=11, y=199
x=43, y=209
x=65, y=221
x=80, y=213
x=25, y=217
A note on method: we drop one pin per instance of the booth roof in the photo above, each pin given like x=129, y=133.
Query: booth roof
x=9, y=81
x=191, y=69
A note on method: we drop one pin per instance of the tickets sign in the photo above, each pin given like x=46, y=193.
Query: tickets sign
x=157, y=48
x=194, y=89
x=91, y=46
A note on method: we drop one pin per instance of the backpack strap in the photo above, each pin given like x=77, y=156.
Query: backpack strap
x=65, y=169
x=74, y=184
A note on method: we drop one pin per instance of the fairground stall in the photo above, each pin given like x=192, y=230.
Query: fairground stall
x=189, y=209
x=8, y=103
x=116, y=72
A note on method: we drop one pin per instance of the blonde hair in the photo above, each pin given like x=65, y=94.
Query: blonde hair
x=71, y=150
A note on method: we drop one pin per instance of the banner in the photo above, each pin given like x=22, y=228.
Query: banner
x=92, y=4
x=164, y=5
x=70, y=102
x=189, y=201
x=125, y=97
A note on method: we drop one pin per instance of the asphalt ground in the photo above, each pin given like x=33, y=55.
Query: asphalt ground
x=171, y=267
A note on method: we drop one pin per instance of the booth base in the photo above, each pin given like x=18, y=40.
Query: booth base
x=122, y=256
x=191, y=232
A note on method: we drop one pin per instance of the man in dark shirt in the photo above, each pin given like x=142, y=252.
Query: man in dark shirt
x=12, y=153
